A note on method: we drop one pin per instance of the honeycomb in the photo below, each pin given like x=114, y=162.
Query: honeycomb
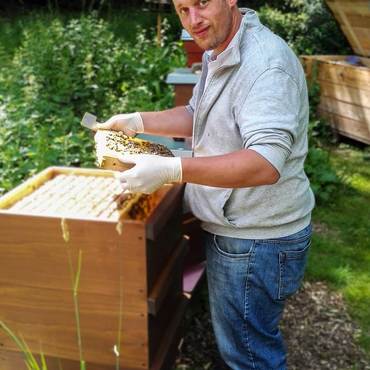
x=109, y=144
x=83, y=196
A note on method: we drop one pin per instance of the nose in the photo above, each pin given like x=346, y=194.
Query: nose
x=194, y=16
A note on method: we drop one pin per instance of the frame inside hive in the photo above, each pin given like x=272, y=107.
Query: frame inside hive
x=110, y=145
x=77, y=193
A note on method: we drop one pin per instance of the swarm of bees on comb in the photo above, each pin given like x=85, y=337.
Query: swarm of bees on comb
x=121, y=143
x=109, y=145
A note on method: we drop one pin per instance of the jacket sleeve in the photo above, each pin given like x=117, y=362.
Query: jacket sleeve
x=269, y=118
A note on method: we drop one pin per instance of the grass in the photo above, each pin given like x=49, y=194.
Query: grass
x=340, y=253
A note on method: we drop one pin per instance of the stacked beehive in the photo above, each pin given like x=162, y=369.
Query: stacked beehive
x=130, y=286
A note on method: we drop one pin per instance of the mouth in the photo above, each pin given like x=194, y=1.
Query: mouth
x=201, y=32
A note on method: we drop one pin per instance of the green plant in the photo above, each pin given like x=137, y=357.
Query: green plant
x=307, y=25
x=62, y=70
x=323, y=178
x=340, y=252
x=29, y=359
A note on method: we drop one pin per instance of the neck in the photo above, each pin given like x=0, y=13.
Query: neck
x=235, y=24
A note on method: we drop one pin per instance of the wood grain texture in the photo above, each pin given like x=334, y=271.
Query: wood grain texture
x=354, y=112
x=36, y=281
x=164, y=284
x=344, y=93
x=347, y=94
x=334, y=69
x=353, y=17
x=10, y=360
x=347, y=127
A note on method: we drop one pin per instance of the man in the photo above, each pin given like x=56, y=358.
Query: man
x=248, y=119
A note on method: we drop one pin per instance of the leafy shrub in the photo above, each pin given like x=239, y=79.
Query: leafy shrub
x=323, y=177
x=307, y=25
x=59, y=72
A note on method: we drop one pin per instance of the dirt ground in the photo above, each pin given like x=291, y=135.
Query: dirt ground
x=318, y=331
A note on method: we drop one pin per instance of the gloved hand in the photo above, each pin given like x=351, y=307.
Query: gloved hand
x=149, y=173
x=130, y=123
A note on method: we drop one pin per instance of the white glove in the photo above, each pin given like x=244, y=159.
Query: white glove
x=149, y=173
x=130, y=123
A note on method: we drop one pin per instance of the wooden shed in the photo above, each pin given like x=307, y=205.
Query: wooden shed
x=345, y=80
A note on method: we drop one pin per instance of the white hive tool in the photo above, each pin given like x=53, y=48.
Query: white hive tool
x=89, y=121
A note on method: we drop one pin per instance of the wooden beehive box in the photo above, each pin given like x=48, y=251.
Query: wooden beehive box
x=345, y=87
x=130, y=284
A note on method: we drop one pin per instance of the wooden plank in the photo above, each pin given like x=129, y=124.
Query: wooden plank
x=37, y=258
x=41, y=244
x=358, y=77
x=160, y=249
x=82, y=171
x=344, y=93
x=359, y=20
x=349, y=32
x=334, y=69
x=25, y=188
x=172, y=200
x=60, y=340
x=174, y=266
x=357, y=113
x=363, y=36
x=347, y=13
x=10, y=360
x=347, y=127
x=349, y=6
x=169, y=344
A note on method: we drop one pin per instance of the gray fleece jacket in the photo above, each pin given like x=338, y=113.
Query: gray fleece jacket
x=253, y=96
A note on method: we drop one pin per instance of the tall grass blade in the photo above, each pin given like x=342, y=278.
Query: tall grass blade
x=78, y=273
x=82, y=365
x=29, y=359
x=60, y=364
x=43, y=361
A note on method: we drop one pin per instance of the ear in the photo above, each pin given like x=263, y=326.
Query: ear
x=232, y=3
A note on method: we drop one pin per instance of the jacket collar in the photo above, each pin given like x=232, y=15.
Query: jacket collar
x=231, y=55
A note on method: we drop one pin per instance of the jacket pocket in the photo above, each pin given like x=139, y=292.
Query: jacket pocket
x=207, y=203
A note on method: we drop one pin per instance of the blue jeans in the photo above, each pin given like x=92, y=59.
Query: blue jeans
x=248, y=283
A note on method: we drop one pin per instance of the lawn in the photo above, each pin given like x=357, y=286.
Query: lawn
x=340, y=253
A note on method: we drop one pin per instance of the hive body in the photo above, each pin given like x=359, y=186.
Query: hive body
x=130, y=277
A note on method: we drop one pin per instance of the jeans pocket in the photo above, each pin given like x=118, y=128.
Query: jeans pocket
x=292, y=263
x=233, y=247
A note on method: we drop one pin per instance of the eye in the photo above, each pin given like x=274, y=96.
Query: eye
x=183, y=11
x=203, y=3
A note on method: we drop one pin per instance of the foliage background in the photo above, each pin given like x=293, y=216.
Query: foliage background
x=59, y=59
